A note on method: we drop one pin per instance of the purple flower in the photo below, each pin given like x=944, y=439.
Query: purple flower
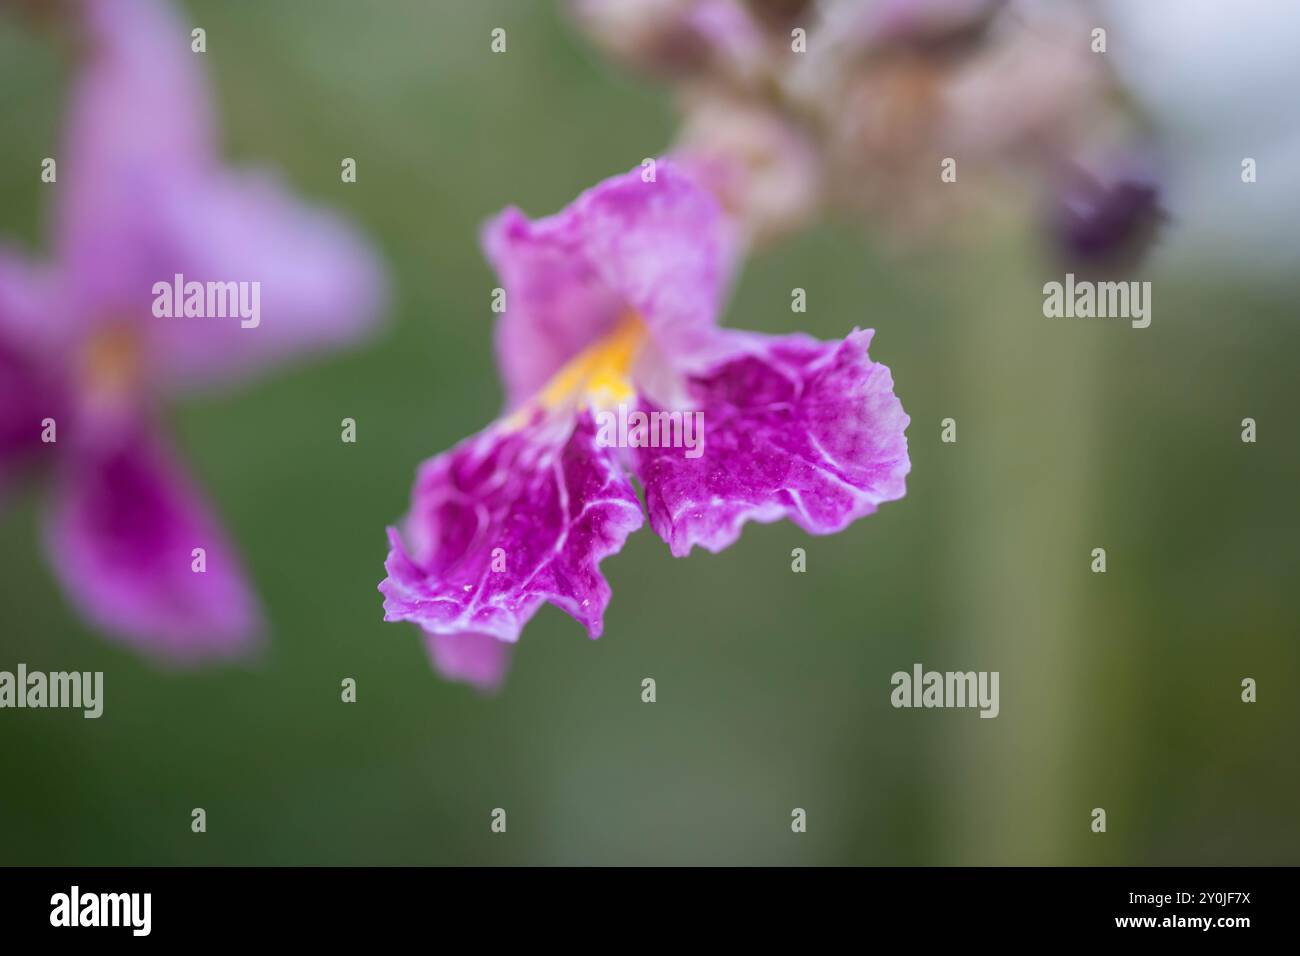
x=611, y=304
x=86, y=360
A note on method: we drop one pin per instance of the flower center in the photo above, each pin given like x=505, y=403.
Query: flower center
x=111, y=362
x=601, y=375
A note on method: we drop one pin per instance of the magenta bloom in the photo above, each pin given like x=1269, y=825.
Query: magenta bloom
x=610, y=313
x=87, y=355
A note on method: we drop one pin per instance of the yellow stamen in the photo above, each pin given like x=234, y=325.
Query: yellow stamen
x=601, y=375
x=111, y=362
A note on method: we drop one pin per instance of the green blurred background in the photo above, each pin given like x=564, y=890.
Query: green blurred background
x=1118, y=690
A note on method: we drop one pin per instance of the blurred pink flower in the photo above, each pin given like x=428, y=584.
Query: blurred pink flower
x=86, y=364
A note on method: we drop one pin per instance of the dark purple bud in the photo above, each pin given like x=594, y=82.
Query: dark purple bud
x=1107, y=220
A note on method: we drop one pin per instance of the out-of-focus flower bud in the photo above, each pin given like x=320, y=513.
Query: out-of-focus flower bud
x=932, y=26
x=1105, y=214
x=762, y=168
x=882, y=134
x=676, y=38
x=781, y=15
x=1034, y=88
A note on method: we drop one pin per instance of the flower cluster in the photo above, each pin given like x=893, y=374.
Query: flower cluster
x=793, y=109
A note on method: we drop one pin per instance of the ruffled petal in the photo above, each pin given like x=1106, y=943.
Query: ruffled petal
x=516, y=516
x=793, y=428
x=121, y=539
x=660, y=249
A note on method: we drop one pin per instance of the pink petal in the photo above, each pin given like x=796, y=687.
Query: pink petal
x=139, y=125
x=320, y=285
x=660, y=249
x=478, y=659
x=31, y=386
x=143, y=198
x=506, y=521
x=793, y=428
x=121, y=538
